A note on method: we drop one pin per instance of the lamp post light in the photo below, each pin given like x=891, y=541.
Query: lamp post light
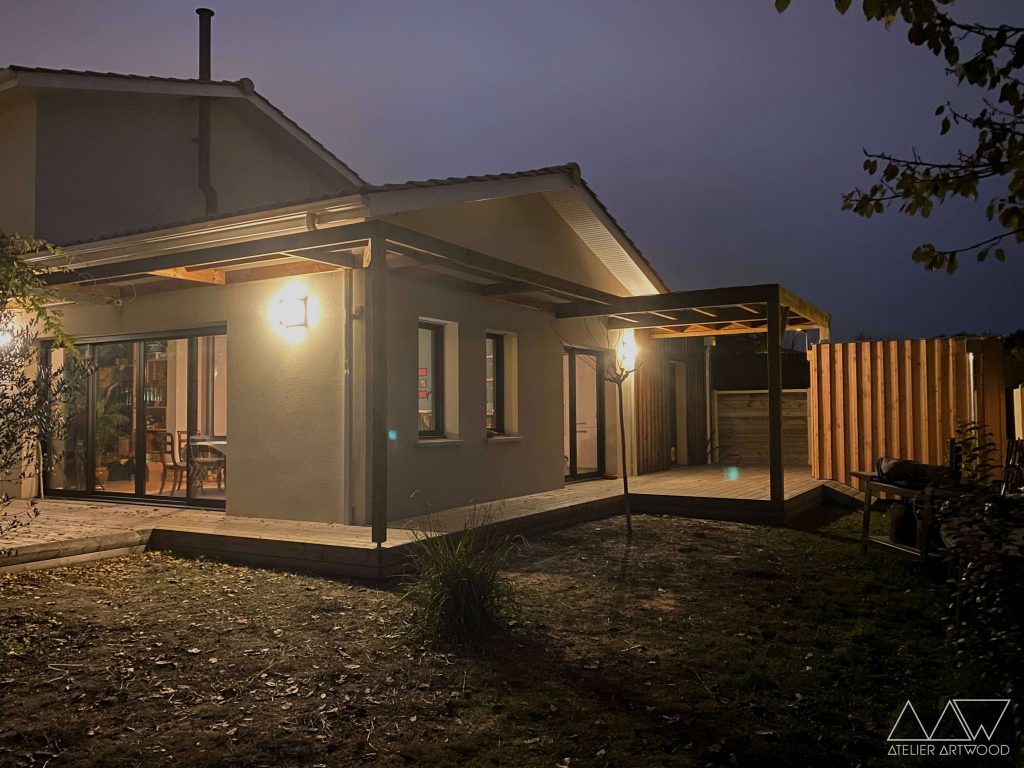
x=618, y=372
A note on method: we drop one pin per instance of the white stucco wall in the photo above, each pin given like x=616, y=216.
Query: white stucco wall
x=525, y=230
x=252, y=166
x=114, y=163
x=429, y=476
x=285, y=391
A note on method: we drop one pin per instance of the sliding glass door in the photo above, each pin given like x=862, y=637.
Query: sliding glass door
x=149, y=421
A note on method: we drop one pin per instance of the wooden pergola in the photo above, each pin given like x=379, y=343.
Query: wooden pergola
x=768, y=309
x=381, y=248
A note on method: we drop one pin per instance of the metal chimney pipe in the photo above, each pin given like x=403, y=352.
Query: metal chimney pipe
x=205, y=120
x=205, y=14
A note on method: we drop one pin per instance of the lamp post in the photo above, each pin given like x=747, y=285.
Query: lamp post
x=618, y=372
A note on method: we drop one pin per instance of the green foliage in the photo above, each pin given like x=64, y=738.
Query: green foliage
x=985, y=532
x=459, y=594
x=30, y=393
x=24, y=264
x=988, y=58
x=977, y=453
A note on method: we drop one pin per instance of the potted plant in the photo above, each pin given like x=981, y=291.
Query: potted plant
x=109, y=423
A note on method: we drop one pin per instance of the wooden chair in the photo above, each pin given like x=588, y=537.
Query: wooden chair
x=169, y=460
x=1013, y=469
x=206, y=461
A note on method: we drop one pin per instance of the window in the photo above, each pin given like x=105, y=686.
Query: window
x=495, y=414
x=431, y=380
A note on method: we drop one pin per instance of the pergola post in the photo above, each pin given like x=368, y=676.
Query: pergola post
x=776, y=472
x=377, y=390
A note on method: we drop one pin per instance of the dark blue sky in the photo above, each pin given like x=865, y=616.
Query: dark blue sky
x=721, y=134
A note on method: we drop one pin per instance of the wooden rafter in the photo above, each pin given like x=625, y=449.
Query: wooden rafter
x=657, y=319
x=210, y=276
x=251, y=274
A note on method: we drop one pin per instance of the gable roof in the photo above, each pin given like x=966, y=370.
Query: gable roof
x=15, y=76
x=561, y=185
x=566, y=191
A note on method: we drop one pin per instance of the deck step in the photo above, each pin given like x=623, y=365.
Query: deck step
x=54, y=554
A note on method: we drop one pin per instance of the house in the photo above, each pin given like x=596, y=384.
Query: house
x=275, y=336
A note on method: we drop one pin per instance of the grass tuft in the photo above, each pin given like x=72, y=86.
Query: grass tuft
x=458, y=593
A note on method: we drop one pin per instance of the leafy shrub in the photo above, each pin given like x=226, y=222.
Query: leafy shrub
x=459, y=593
x=35, y=400
x=985, y=533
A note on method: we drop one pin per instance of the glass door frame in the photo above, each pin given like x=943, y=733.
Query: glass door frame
x=138, y=340
x=599, y=361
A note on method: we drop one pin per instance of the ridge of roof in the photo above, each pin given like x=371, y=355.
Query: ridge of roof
x=119, y=75
x=571, y=168
x=244, y=85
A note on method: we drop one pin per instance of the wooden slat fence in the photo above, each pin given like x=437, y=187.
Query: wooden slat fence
x=741, y=427
x=902, y=399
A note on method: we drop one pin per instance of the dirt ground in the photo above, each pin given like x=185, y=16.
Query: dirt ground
x=709, y=644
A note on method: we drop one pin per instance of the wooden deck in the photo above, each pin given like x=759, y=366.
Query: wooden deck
x=727, y=493
x=68, y=532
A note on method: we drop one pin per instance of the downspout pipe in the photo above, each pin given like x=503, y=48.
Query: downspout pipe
x=203, y=140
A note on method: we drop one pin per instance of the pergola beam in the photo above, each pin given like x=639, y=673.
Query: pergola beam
x=804, y=308
x=721, y=315
x=341, y=260
x=456, y=257
x=425, y=275
x=704, y=301
x=507, y=289
x=431, y=259
x=232, y=253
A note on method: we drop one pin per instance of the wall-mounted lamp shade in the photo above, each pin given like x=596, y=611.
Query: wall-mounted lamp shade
x=292, y=312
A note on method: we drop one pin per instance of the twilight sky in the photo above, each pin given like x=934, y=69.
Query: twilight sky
x=720, y=134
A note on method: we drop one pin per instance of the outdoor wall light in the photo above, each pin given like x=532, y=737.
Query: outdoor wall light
x=626, y=350
x=292, y=312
